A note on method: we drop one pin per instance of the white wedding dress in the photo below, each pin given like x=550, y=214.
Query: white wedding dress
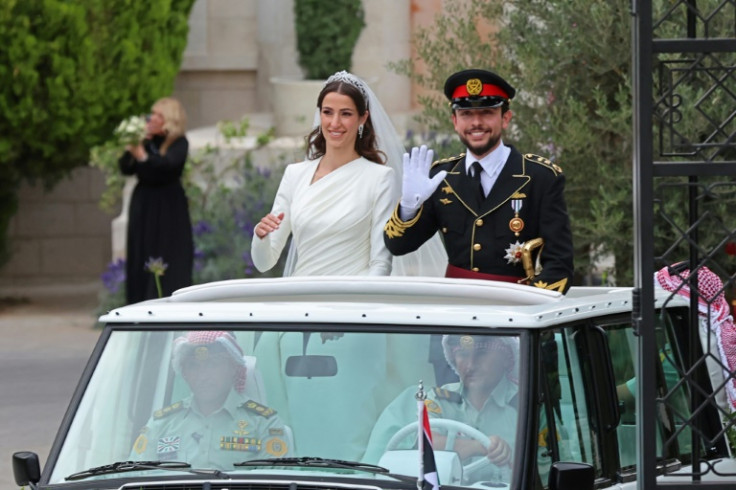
x=337, y=222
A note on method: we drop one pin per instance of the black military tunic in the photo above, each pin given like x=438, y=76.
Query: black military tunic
x=485, y=235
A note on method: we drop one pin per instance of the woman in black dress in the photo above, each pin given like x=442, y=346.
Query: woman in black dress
x=158, y=219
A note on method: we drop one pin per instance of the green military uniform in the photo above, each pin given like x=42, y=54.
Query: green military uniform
x=497, y=417
x=485, y=236
x=241, y=430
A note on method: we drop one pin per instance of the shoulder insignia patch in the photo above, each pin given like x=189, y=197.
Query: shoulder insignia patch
x=258, y=409
x=432, y=407
x=545, y=162
x=450, y=159
x=443, y=394
x=140, y=444
x=166, y=411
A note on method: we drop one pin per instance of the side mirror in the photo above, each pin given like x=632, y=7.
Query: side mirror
x=311, y=366
x=26, y=468
x=568, y=475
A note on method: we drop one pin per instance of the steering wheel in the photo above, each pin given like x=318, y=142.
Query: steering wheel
x=453, y=427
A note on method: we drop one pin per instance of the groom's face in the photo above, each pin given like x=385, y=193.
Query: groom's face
x=480, y=129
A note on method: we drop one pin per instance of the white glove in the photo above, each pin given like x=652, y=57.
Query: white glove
x=416, y=186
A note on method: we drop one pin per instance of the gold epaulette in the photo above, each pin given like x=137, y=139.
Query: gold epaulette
x=166, y=411
x=443, y=394
x=395, y=227
x=451, y=159
x=545, y=162
x=259, y=409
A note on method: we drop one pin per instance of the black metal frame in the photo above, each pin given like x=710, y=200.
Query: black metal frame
x=683, y=71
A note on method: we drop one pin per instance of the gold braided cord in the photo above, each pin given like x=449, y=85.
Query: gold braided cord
x=395, y=227
x=555, y=286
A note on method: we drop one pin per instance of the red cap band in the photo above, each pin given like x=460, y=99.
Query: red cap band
x=487, y=90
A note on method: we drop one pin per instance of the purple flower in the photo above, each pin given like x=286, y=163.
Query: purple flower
x=199, y=257
x=202, y=227
x=156, y=266
x=114, y=276
x=247, y=228
x=264, y=172
x=248, y=263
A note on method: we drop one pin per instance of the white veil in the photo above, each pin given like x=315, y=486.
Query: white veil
x=430, y=259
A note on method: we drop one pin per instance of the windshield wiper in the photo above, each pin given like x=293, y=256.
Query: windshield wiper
x=124, y=466
x=315, y=462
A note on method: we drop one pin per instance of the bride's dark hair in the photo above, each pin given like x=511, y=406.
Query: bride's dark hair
x=366, y=146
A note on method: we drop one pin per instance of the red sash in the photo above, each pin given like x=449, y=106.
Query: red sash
x=460, y=273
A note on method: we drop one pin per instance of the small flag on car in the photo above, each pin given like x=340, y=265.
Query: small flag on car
x=428, y=478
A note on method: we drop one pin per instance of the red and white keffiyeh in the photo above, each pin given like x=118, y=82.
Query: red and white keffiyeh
x=196, y=338
x=711, y=304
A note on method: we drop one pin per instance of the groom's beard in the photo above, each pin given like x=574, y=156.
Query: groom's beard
x=480, y=150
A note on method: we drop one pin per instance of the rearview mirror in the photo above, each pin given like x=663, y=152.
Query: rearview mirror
x=311, y=366
x=564, y=475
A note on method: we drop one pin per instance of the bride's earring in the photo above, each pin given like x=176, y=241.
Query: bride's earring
x=360, y=131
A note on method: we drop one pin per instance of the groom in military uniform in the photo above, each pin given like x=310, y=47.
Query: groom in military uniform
x=502, y=214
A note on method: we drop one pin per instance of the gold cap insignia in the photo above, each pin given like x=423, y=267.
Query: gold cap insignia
x=466, y=341
x=201, y=353
x=474, y=86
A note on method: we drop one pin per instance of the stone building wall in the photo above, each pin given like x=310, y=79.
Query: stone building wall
x=59, y=236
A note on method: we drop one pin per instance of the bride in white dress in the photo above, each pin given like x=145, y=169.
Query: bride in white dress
x=335, y=205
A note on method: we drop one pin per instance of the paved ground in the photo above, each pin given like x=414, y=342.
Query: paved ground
x=47, y=335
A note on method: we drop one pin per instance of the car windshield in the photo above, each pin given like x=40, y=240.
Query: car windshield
x=220, y=396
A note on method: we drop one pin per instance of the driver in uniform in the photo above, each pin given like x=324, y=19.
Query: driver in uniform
x=484, y=399
x=215, y=426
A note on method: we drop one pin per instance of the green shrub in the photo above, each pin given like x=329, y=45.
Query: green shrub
x=69, y=72
x=326, y=34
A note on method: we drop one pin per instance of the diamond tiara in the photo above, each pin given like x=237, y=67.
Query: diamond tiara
x=343, y=76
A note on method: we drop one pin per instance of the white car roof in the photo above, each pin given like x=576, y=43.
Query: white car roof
x=384, y=300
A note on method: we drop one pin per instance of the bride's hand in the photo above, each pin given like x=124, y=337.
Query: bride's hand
x=268, y=223
x=417, y=186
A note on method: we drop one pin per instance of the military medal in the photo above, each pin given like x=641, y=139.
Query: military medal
x=242, y=431
x=513, y=253
x=516, y=224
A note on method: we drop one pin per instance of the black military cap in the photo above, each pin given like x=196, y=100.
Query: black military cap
x=477, y=89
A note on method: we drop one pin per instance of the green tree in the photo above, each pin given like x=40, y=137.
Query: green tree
x=570, y=61
x=69, y=72
x=326, y=34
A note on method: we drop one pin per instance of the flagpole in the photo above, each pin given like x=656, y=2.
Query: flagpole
x=420, y=397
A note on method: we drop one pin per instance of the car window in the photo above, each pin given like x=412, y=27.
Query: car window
x=214, y=397
x=623, y=346
x=570, y=436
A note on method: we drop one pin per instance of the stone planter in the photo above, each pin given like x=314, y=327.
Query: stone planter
x=294, y=102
